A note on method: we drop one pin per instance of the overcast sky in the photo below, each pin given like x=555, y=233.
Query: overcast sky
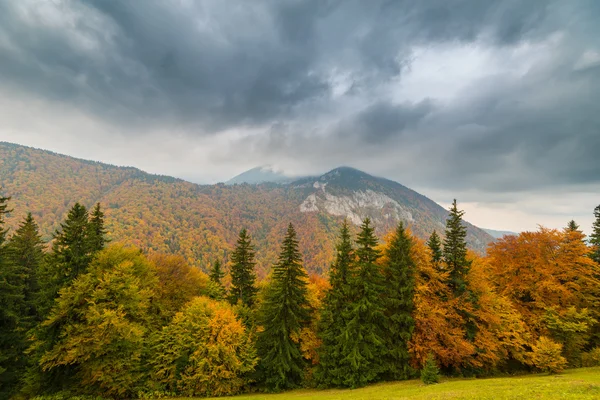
x=496, y=103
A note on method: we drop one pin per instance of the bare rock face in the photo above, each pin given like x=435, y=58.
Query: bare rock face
x=357, y=206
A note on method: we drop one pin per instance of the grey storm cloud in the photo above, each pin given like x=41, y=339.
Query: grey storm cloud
x=313, y=78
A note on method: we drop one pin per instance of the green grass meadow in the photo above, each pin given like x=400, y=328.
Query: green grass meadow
x=583, y=383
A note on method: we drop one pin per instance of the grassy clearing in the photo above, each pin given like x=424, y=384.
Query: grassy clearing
x=580, y=384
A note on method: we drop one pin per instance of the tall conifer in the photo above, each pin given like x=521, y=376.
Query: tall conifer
x=332, y=323
x=216, y=275
x=96, y=230
x=25, y=254
x=455, y=258
x=595, y=236
x=11, y=298
x=242, y=271
x=363, y=343
x=435, y=244
x=284, y=312
x=399, y=299
x=455, y=250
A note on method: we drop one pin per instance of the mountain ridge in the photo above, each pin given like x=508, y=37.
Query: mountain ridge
x=201, y=222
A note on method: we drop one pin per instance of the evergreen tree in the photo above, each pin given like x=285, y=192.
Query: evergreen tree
x=70, y=256
x=430, y=372
x=284, y=312
x=242, y=271
x=595, y=236
x=400, y=286
x=435, y=244
x=332, y=323
x=363, y=344
x=455, y=257
x=11, y=299
x=216, y=275
x=572, y=226
x=26, y=250
x=96, y=230
x=455, y=250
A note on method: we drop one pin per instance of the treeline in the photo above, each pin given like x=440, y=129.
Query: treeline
x=88, y=318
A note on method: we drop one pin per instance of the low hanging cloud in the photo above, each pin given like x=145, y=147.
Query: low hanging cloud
x=467, y=98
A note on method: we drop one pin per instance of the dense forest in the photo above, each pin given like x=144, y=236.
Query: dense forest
x=82, y=315
x=200, y=222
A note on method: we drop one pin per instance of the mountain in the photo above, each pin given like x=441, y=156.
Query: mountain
x=260, y=175
x=498, y=234
x=201, y=222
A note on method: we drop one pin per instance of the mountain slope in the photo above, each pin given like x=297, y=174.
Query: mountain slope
x=262, y=174
x=201, y=222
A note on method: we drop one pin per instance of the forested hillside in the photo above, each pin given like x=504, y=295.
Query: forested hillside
x=201, y=222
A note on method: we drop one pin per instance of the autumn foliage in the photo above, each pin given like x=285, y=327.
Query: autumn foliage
x=121, y=322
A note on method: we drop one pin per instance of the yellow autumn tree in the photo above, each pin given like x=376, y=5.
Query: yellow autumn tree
x=97, y=330
x=204, y=351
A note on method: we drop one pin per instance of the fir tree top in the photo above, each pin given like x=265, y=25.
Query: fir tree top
x=216, y=272
x=97, y=231
x=3, y=211
x=455, y=249
x=242, y=271
x=595, y=236
x=435, y=244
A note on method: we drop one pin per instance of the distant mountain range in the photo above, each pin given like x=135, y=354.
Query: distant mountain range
x=201, y=222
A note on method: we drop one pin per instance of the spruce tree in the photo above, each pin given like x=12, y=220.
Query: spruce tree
x=399, y=295
x=332, y=323
x=283, y=314
x=26, y=250
x=363, y=339
x=595, y=236
x=455, y=258
x=25, y=254
x=572, y=226
x=96, y=230
x=242, y=271
x=430, y=373
x=455, y=250
x=70, y=256
x=435, y=244
x=11, y=299
x=216, y=275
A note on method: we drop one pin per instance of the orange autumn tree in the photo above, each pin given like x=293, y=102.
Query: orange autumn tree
x=439, y=326
x=546, y=269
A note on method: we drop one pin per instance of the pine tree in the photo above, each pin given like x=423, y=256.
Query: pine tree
x=400, y=286
x=595, y=236
x=96, y=230
x=332, y=323
x=435, y=244
x=284, y=312
x=455, y=250
x=363, y=344
x=242, y=271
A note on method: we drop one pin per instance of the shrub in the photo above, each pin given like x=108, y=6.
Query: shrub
x=547, y=356
x=430, y=372
x=591, y=358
